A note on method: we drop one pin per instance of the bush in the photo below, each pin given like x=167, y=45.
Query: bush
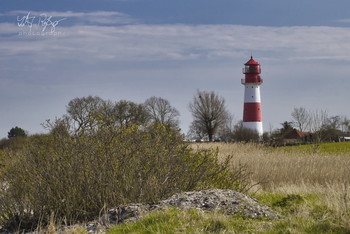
x=16, y=132
x=75, y=177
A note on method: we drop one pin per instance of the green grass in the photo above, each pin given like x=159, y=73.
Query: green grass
x=301, y=214
x=330, y=148
x=173, y=220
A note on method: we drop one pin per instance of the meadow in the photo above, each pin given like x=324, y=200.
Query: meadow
x=310, y=189
x=307, y=184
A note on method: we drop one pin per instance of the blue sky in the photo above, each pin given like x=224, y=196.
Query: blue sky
x=135, y=49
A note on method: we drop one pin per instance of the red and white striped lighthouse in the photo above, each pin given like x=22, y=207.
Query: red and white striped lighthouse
x=252, y=117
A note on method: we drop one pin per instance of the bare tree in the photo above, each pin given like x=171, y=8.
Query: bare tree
x=334, y=122
x=301, y=118
x=345, y=125
x=209, y=113
x=88, y=114
x=161, y=112
x=227, y=131
x=107, y=115
x=83, y=112
x=195, y=132
x=126, y=112
x=242, y=134
x=318, y=121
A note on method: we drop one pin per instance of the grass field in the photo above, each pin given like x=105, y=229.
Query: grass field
x=311, y=190
x=331, y=148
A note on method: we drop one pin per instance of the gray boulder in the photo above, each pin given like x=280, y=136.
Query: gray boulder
x=226, y=201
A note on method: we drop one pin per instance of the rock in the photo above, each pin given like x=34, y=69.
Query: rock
x=226, y=201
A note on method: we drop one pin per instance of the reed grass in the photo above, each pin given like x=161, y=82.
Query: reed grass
x=275, y=168
x=284, y=171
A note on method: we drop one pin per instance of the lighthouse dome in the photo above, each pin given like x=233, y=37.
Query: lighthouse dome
x=251, y=61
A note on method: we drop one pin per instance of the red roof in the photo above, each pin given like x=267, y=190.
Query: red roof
x=251, y=61
x=294, y=134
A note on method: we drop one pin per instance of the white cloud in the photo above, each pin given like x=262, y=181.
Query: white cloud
x=139, y=42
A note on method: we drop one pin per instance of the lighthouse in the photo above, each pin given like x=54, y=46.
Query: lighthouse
x=252, y=117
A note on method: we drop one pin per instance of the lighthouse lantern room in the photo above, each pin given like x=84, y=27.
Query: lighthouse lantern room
x=252, y=117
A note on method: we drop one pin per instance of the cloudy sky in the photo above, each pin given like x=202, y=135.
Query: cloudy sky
x=54, y=51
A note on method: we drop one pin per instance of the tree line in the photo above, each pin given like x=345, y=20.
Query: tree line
x=322, y=126
x=87, y=114
x=211, y=119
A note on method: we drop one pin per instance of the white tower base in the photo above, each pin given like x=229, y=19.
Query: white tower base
x=256, y=126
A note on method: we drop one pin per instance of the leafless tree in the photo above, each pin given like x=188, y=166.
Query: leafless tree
x=301, y=118
x=161, y=112
x=83, y=112
x=126, y=112
x=242, y=134
x=318, y=120
x=345, y=125
x=334, y=122
x=89, y=114
x=317, y=124
x=227, y=131
x=209, y=113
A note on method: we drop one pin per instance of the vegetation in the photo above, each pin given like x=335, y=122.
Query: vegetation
x=327, y=148
x=189, y=221
x=75, y=176
x=310, y=191
x=16, y=132
x=194, y=221
x=209, y=114
x=242, y=134
x=316, y=127
x=103, y=153
x=161, y=112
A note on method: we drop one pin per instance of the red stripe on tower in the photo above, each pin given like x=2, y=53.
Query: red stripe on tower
x=252, y=112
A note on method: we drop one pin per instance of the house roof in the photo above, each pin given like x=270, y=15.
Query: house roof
x=295, y=134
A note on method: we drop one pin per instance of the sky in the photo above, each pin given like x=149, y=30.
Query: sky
x=54, y=51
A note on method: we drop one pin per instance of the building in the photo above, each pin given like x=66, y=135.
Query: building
x=296, y=136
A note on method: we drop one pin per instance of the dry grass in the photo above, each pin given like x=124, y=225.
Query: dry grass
x=294, y=172
x=277, y=167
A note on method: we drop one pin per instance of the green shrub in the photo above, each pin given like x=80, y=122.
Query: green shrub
x=76, y=177
x=289, y=200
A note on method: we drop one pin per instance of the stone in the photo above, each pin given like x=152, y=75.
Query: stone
x=226, y=201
